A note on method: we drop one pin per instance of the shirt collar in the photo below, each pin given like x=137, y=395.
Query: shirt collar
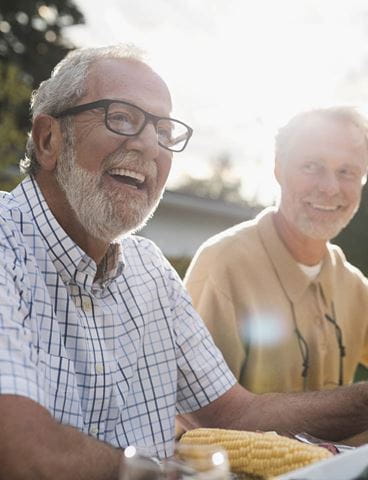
x=71, y=262
x=292, y=278
x=111, y=265
x=327, y=277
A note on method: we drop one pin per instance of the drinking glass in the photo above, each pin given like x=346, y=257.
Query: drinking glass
x=200, y=462
x=138, y=464
x=189, y=462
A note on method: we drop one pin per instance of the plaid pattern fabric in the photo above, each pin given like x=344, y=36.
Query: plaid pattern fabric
x=115, y=359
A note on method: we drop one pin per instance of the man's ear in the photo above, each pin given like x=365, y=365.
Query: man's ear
x=47, y=140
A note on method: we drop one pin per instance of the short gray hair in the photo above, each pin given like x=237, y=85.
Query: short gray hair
x=67, y=85
x=344, y=114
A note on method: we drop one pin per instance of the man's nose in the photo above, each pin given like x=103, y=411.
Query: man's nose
x=328, y=183
x=146, y=141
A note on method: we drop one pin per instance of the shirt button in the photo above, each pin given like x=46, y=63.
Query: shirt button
x=94, y=430
x=99, y=368
x=86, y=304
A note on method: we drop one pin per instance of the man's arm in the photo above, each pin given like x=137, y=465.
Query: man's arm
x=34, y=446
x=333, y=414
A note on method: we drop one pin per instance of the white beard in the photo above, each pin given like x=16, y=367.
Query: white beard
x=311, y=225
x=321, y=230
x=102, y=214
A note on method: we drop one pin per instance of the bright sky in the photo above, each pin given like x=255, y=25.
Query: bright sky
x=238, y=69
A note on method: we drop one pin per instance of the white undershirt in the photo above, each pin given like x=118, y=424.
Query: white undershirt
x=311, y=270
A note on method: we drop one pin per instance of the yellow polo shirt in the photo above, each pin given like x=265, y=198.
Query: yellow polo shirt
x=268, y=318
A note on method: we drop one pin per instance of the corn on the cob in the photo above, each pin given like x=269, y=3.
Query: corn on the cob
x=264, y=454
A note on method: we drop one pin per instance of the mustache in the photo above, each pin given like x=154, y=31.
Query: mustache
x=131, y=160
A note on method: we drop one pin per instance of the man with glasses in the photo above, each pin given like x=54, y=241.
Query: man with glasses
x=284, y=306
x=99, y=344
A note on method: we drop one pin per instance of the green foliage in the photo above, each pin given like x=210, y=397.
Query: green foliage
x=13, y=93
x=180, y=264
x=31, y=34
x=354, y=238
x=31, y=43
x=361, y=374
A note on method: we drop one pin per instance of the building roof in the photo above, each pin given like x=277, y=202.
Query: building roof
x=208, y=206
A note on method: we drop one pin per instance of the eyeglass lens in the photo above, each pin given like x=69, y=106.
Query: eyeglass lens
x=127, y=119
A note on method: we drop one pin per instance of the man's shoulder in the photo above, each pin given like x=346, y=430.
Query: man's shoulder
x=144, y=258
x=15, y=223
x=13, y=203
x=343, y=266
x=10, y=212
x=243, y=235
x=142, y=250
x=7, y=202
x=228, y=252
x=139, y=244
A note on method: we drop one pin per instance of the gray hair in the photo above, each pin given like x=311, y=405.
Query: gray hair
x=343, y=114
x=67, y=85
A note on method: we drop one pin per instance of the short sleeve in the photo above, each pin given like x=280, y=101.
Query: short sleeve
x=203, y=374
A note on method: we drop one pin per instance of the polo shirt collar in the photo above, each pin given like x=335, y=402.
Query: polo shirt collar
x=292, y=278
x=327, y=278
x=71, y=262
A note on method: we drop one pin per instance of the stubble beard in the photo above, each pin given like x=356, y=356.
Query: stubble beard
x=320, y=230
x=313, y=228
x=105, y=215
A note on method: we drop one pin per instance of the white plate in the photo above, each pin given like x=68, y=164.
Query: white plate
x=344, y=466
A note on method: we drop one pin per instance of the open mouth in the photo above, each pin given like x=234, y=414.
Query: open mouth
x=127, y=177
x=325, y=208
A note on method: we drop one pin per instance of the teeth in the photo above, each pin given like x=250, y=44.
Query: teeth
x=128, y=173
x=327, y=208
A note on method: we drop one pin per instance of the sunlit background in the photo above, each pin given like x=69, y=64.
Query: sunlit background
x=238, y=69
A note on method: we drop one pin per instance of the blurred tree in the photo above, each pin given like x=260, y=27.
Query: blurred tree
x=31, y=43
x=354, y=238
x=180, y=264
x=222, y=184
x=14, y=92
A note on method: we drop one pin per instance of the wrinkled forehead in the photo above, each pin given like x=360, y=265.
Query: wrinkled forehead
x=130, y=80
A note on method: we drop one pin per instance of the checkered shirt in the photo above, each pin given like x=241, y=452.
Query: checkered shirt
x=117, y=358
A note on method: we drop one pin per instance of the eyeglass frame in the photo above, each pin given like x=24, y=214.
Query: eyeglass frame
x=304, y=348
x=148, y=117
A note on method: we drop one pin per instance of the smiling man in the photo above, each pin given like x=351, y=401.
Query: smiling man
x=284, y=306
x=100, y=346
x=117, y=181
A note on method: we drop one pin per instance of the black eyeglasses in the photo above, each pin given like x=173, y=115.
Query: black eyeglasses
x=304, y=349
x=129, y=120
x=340, y=342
